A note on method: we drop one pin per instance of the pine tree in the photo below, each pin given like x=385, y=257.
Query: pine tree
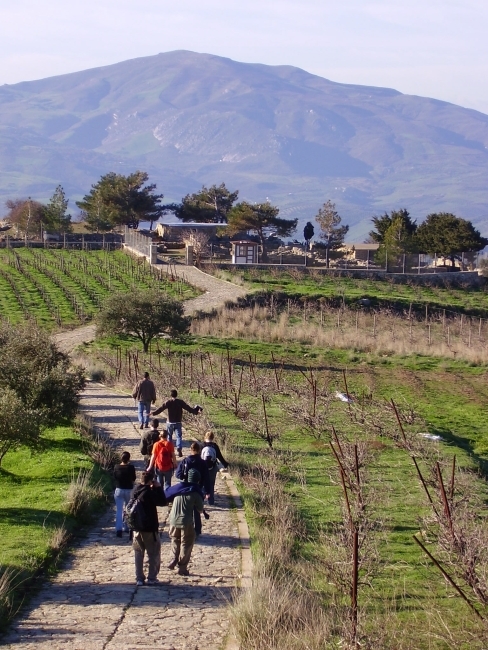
x=55, y=212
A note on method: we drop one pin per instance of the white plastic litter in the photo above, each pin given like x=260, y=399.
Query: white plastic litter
x=343, y=397
x=430, y=436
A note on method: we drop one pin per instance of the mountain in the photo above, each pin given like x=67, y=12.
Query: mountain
x=273, y=132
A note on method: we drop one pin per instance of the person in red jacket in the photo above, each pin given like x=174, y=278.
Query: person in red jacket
x=175, y=407
x=163, y=460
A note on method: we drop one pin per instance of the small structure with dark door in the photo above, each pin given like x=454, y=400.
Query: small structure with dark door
x=244, y=252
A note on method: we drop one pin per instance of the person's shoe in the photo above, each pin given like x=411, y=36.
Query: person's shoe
x=140, y=583
x=141, y=427
x=180, y=453
x=182, y=571
x=153, y=583
x=146, y=426
x=118, y=533
x=172, y=564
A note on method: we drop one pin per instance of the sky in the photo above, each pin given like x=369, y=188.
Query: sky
x=434, y=48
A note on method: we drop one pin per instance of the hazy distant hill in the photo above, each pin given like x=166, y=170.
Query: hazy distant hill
x=271, y=132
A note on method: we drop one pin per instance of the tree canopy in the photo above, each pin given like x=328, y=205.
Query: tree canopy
x=118, y=200
x=25, y=215
x=396, y=235
x=209, y=205
x=261, y=219
x=447, y=236
x=38, y=386
x=384, y=222
x=55, y=215
x=143, y=314
x=331, y=231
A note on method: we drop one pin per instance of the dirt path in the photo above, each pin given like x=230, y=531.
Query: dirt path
x=94, y=604
x=217, y=293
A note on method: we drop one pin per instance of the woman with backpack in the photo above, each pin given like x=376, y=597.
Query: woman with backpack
x=211, y=454
x=125, y=476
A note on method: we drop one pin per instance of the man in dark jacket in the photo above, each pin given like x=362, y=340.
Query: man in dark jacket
x=193, y=461
x=144, y=393
x=175, y=407
x=146, y=540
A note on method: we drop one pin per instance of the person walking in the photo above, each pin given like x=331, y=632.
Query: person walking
x=145, y=394
x=174, y=405
x=194, y=461
x=181, y=527
x=212, y=455
x=146, y=539
x=125, y=476
x=148, y=439
x=163, y=460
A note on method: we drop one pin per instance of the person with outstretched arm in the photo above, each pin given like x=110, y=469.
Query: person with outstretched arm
x=175, y=406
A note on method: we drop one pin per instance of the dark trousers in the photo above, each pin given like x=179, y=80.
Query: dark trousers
x=197, y=518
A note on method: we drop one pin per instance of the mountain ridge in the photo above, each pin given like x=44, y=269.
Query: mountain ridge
x=273, y=132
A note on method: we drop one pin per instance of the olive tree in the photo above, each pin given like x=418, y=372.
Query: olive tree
x=144, y=314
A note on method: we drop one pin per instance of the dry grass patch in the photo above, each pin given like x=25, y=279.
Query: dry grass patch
x=380, y=333
x=81, y=493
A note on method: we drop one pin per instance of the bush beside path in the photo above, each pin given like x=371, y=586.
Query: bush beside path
x=93, y=602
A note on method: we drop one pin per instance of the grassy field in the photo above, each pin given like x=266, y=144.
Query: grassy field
x=35, y=520
x=294, y=413
x=401, y=591
x=313, y=285
x=65, y=288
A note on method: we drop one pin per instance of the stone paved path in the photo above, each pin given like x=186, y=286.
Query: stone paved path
x=93, y=603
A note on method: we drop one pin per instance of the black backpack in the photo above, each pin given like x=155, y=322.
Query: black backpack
x=134, y=514
x=147, y=443
x=182, y=470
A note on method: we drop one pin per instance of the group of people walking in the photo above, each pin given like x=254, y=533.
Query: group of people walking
x=196, y=476
x=145, y=394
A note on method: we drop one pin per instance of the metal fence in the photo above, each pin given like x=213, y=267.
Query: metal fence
x=109, y=242
x=141, y=243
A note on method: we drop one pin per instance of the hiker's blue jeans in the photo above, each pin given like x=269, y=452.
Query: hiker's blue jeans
x=175, y=427
x=165, y=478
x=141, y=407
x=121, y=498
